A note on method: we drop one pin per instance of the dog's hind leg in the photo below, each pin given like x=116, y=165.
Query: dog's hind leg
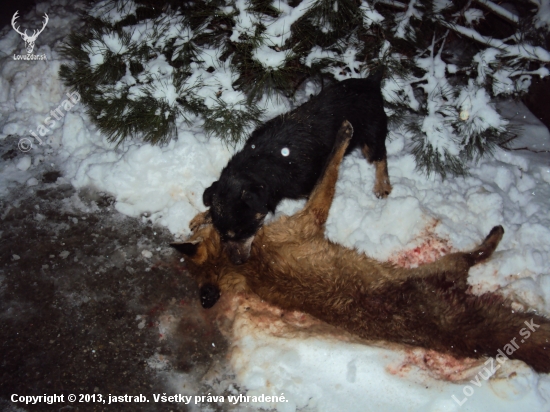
x=320, y=200
x=382, y=185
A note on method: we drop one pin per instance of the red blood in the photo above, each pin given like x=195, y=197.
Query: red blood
x=431, y=249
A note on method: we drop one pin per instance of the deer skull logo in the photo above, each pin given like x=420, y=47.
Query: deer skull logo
x=29, y=40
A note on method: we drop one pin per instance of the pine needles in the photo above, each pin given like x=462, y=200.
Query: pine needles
x=144, y=66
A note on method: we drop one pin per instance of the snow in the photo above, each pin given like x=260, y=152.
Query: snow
x=279, y=30
x=269, y=57
x=315, y=368
x=95, y=53
x=499, y=10
x=440, y=5
x=472, y=16
x=24, y=163
x=114, y=43
x=318, y=368
x=218, y=83
x=477, y=111
x=523, y=50
x=317, y=53
x=403, y=29
x=542, y=18
x=370, y=15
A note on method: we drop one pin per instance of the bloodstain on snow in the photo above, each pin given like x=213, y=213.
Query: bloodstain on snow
x=243, y=315
x=437, y=365
x=485, y=286
x=430, y=247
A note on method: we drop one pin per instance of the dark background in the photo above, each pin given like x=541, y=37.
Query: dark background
x=9, y=7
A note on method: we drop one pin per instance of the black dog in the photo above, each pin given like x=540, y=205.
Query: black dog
x=285, y=157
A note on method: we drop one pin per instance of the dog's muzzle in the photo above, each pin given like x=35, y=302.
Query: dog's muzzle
x=239, y=252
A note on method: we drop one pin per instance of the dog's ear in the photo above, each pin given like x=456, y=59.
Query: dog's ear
x=208, y=193
x=187, y=248
x=256, y=196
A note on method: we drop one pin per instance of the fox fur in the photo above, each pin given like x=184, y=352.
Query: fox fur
x=293, y=266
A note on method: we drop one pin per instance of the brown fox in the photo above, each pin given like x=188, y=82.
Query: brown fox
x=293, y=266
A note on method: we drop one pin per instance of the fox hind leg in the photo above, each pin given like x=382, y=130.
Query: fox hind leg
x=320, y=200
x=456, y=265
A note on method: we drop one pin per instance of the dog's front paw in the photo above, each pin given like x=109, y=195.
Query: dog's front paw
x=382, y=189
x=203, y=218
x=382, y=185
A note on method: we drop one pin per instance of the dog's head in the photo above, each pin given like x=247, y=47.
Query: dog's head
x=238, y=207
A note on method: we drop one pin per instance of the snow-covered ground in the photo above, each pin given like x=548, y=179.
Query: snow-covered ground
x=313, y=367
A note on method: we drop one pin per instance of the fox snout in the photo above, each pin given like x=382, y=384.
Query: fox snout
x=209, y=294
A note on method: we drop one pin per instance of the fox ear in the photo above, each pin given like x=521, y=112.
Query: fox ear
x=187, y=248
x=208, y=193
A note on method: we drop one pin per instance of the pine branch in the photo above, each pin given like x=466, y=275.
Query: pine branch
x=231, y=122
x=523, y=51
x=501, y=11
x=394, y=3
x=144, y=66
x=403, y=27
x=526, y=148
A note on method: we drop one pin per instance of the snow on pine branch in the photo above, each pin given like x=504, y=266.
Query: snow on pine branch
x=542, y=18
x=394, y=3
x=522, y=51
x=499, y=10
x=147, y=73
x=403, y=28
x=440, y=134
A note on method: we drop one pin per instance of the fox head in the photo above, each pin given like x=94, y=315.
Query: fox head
x=210, y=265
